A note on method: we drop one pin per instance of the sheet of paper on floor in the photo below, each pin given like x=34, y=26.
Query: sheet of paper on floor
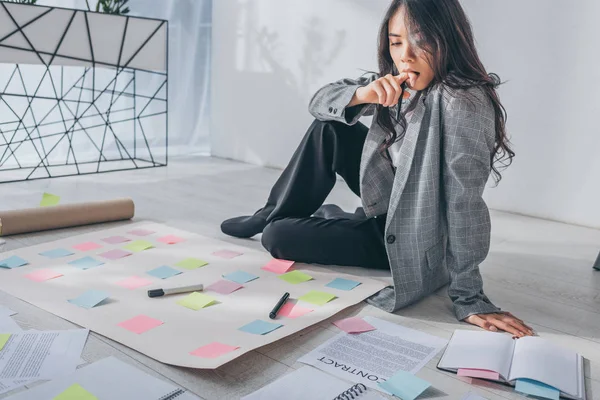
x=310, y=383
x=34, y=355
x=7, y=325
x=5, y=311
x=373, y=357
x=107, y=379
x=225, y=318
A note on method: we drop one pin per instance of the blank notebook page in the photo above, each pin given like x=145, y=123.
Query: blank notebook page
x=479, y=350
x=540, y=360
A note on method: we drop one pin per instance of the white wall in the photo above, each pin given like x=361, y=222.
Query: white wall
x=270, y=56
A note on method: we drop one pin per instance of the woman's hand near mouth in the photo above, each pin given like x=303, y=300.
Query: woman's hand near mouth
x=385, y=90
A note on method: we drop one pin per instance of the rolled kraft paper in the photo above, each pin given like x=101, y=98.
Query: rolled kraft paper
x=64, y=216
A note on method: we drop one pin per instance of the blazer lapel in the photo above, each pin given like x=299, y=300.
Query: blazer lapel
x=407, y=154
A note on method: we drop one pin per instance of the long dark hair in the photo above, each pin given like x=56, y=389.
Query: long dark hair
x=445, y=35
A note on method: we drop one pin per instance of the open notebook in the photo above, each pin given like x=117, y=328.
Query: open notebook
x=311, y=383
x=107, y=379
x=525, y=358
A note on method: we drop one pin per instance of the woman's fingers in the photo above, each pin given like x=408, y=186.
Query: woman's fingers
x=389, y=91
x=517, y=324
x=480, y=322
x=380, y=91
x=505, y=322
x=397, y=89
x=505, y=326
x=520, y=321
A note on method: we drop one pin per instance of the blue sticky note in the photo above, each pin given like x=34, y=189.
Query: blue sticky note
x=163, y=272
x=13, y=262
x=405, y=385
x=86, y=263
x=259, y=327
x=56, y=253
x=90, y=299
x=240, y=277
x=343, y=284
x=538, y=389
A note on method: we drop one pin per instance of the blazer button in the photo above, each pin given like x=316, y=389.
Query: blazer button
x=330, y=109
x=391, y=239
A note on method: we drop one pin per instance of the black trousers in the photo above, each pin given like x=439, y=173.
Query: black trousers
x=292, y=233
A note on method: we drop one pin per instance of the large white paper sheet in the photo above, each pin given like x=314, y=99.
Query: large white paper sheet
x=183, y=330
x=373, y=357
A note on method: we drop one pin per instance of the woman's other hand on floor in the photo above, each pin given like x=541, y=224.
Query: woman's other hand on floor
x=501, y=322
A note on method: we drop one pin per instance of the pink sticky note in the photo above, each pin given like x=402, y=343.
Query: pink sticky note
x=115, y=254
x=228, y=254
x=140, y=324
x=479, y=373
x=116, y=239
x=224, y=287
x=141, y=232
x=170, y=239
x=87, y=246
x=213, y=350
x=134, y=282
x=292, y=310
x=354, y=325
x=43, y=275
x=278, y=266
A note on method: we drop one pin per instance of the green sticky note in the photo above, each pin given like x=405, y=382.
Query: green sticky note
x=196, y=301
x=138, y=245
x=75, y=392
x=318, y=298
x=191, y=263
x=49, y=200
x=295, y=277
x=3, y=339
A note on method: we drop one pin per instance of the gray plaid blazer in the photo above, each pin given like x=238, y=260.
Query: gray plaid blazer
x=438, y=225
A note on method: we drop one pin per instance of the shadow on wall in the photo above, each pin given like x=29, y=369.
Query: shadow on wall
x=271, y=83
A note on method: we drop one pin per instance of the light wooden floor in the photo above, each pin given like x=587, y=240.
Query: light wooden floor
x=539, y=270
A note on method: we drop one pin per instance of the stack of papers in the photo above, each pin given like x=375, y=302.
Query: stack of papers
x=107, y=379
x=29, y=356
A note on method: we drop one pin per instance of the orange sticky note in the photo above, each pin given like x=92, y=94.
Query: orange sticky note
x=43, y=275
x=278, y=266
x=478, y=373
x=213, y=350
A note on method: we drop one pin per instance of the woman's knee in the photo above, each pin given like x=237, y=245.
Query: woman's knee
x=273, y=237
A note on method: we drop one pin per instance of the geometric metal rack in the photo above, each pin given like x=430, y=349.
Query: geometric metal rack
x=85, y=92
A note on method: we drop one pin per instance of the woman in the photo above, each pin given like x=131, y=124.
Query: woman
x=420, y=170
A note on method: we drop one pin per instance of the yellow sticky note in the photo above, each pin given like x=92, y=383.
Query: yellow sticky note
x=75, y=392
x=3, y=339
x=191, y=263
x=138, y=245
x=295, y=277
x=196, y=301
x=49, y=200
x=318, y=298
